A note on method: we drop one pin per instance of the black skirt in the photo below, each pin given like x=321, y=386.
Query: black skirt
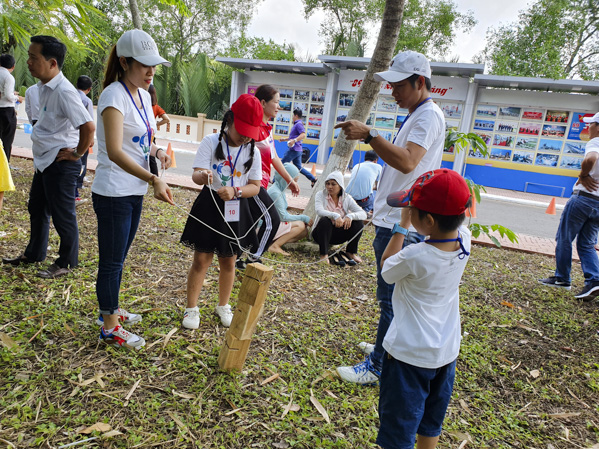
x=209, y=208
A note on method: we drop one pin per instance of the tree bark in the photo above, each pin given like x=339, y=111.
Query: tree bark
x=135, y=14
x=367, y=94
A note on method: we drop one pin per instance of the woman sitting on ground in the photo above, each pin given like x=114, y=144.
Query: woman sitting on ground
x=339, y=220
x=293, y=227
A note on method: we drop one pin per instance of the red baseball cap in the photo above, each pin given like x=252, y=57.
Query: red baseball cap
x=247, y=116
x=440, y=191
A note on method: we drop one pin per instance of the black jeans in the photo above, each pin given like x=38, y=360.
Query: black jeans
x=52, y=194
x=8, y=126
x=325, y=233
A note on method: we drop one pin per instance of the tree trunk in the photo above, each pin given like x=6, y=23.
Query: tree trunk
x=135, y=14
x=367, y=94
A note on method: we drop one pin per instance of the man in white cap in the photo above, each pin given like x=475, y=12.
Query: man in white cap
x=60, y=137
x=416, y=149
x=580, y=221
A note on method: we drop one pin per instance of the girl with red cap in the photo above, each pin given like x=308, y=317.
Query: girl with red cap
x=229, y=167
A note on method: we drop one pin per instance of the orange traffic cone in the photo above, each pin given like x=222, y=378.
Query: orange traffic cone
x=551, y=208
x=171, y=153
x=313, y=170
x=471, y=211
x=90, y=150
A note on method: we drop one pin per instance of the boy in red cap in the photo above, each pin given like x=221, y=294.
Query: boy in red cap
x=423, y=340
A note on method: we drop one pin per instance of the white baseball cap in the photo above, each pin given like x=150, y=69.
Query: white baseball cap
x=593, y=119
x=404, y=65
x=139, y=45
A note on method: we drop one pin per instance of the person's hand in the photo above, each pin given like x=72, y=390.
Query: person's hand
x=354, y=130
x=406, y=218
x=207, y=177
x=162, y=191
x=294, y=187
x=346, y=223
x=68, y=154
x=226, y=193
x=338, y=222
x=310, y=223
x=589, y=183
x=165, y=159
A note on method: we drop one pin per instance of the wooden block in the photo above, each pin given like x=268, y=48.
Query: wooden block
x=233, y=353
x=240, y=320
x=255, y=283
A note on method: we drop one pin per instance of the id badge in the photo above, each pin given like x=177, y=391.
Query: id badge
x=232, y=210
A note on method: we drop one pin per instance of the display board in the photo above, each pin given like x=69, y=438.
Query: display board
x=541, y=138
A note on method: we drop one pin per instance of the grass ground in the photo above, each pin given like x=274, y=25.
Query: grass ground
x=528, y=372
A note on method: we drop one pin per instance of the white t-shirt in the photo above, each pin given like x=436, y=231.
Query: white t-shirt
x=425, y=127
x=425, y=330
x=221, y=169
x=591, y=146
x=112, y=180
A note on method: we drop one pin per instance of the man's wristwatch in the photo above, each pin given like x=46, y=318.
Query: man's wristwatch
x=399, y=229
x=76, y=154
x=371, y=135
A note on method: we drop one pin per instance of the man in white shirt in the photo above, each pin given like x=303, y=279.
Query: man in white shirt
x=8, y=98
x=61, y=136
x=580, y=221
x=362, y=183
x=32, y=103
x=416, y=149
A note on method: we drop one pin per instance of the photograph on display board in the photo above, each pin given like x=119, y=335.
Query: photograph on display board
x=532, y=129
x=386, y=104
x=284, y=117
x=387, y=135
x=506, y=127
x=500, y=154
x=318, y=96
x=399, y=120
x=574, y=163
x=547, y=160
x=452, y=110
x=510, y=111
x=578, y=129
x=304, y=120
x=316, y=109
x=502, y=140
x=285, y=105
x=550, y=145
x=370, y=119
x=523, y=157
x=385, y=121
x=486, y=137
x=313, y=133
x=346, y=100
x=477, y=154
x=484, y=125
x=336, y=133
x=302, y=95
x=452, y=124
x=282, y=130
x=575, y=147
x=526, y=143
x=285, y=93
x=315, y=121
x=342, y=115
x=532, y=114
x=302, y=107
x=554, y=130
x=252, y=90
x=485, y=110
x=557, y=116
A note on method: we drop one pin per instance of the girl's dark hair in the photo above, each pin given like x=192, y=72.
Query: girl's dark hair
x=266, y=92
x=152, y=91
x=446, y=223
x=220, y=153
x=114, y=70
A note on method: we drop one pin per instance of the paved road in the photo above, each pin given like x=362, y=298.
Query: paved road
x=525, y=219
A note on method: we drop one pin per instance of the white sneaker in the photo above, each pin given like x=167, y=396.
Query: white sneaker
x=225, y=314
x=124, y=317
x=362, y=373
x=366, y=348
x=191, y=318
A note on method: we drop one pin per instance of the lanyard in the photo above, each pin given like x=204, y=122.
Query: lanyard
x=408, y=116
x=463, y=254
x=147, y=120
x=231, y=164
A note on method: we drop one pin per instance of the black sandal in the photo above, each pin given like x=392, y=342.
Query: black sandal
x=337, y=260
x=313, y=183
x=348, y=260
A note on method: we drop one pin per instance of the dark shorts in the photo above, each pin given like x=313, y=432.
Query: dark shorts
x=412, y=401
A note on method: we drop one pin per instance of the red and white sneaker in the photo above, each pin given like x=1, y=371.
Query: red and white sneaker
x=119, y=337
x=124, y=317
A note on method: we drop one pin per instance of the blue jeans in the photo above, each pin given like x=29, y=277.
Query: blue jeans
x=295, y=157
x=580, y=220
x=384, y=291
x=118, y=218
x=367, y=203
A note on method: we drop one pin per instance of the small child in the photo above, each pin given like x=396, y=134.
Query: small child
x=229, y=167
x=423, y=340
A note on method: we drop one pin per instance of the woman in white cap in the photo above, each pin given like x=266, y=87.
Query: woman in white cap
x=125, y=128
x=339, y=220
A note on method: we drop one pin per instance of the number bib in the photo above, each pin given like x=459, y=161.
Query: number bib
x=232, y=210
